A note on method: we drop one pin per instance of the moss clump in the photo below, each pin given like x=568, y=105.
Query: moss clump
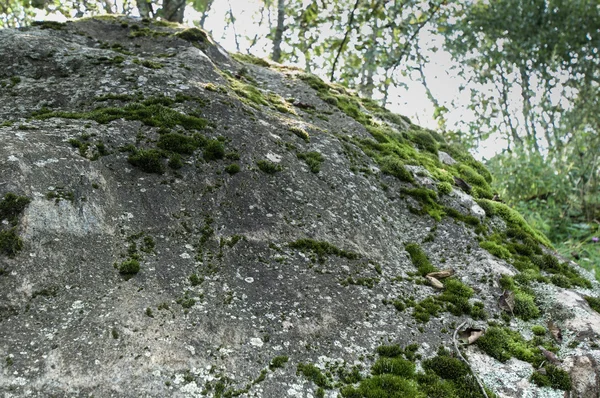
x=457, y=295
x=251, y=95
x=154, y=112
x=496, y=249
x=593, y=302
x=538, y=330
x=12, y=206
x=213, y=150
x=425, y=141
x=503, y=344
x=266, y=166
x=513, y=220
x=322, y=249
x=175, y=161
x=178, y=143
x=393, y=166
x=384, y=386
x=446, y=367
x=390, y=351
x=278, y=362
x=193, y=35
x=419, y=259
x=312, y=159
x=554, y=377
x=444, y=188
x=10, y=243
x=525, y=307
x=396, y=366
x=148, y=160
x=232, y=169
x=314, y=374
x=129, y=267
x=300, y=132
x=251, y=59
x=54, y=25
x=315, y=82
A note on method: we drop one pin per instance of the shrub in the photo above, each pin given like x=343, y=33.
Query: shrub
x=268, y=167
x=148, y=160
x=213, y=150
x=129, y=267
x=10, y=243
x=232, y=169
x=395, y=366
x=178, y=143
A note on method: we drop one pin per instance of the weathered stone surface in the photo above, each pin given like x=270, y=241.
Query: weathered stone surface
x=222, y=288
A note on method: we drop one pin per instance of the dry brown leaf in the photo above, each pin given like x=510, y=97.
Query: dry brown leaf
x=555, y=331
x=470, y=335
x=550, y=356
x=434, y=282
x=507, y=301
x=441, y=274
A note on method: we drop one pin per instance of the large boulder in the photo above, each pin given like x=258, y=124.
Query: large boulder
x=178, y=221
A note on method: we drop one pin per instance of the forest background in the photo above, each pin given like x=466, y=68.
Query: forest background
x=515, y=81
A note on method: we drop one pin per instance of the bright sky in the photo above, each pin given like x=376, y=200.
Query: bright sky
x=410, y=100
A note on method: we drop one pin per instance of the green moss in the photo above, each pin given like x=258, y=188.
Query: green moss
x=386, y=386
x=513, y=220
x=175, y=161
x=12, y=206
x=178, y=143
x=525, y=307
x=554, y=377
x=457, y=295
x=427, y=308
x=252, y=95
x=129, y=267
x=278, y=362
x=419, y=259
x=593, y=302
x=10, y=242
x=425, y=141
x=232, y=169
x=396, y=366
x=54, y=25
x=251, y=59
x=268, y=167
x=193, y=35
x=496, y=249
x=390, y=351
x=148, y=64
x=148, y=160
x=312, y=159
x=150, y=112
x=446, y=367
x=300, y=132
x=195, y=280
x=322, y=249
x=136, y=31
x=314, y=374
x=315, y=82
x=393, y=166
x=538, y=330
x=213, y=150
x=444, y=188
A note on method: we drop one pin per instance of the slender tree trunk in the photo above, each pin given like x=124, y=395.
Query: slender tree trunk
x=145, y=8
x=172, y=10
x=342, y=46
x=279, y=30
x=235, y=35
x=209, y=4
x=109, y=6
x=367, y=86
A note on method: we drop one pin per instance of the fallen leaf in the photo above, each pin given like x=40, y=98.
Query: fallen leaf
x=470, y=335
x=434, y=282
x=555, y=331
x=441, y=274
x=507, y=301
x=550, y=356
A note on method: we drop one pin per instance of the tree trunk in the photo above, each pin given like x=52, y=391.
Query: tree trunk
x=279, y=30
x=145, y=8
x=205, y=13
x=172, y=10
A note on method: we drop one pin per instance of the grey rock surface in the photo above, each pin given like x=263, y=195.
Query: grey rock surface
x=222, y=289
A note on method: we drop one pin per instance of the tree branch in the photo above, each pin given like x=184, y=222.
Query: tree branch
x=344, y=41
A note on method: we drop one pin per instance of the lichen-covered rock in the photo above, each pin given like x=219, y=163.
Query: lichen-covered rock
x=177, y=221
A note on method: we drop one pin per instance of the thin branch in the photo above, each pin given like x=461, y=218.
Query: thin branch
x=455, y=341
x=344, y=41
